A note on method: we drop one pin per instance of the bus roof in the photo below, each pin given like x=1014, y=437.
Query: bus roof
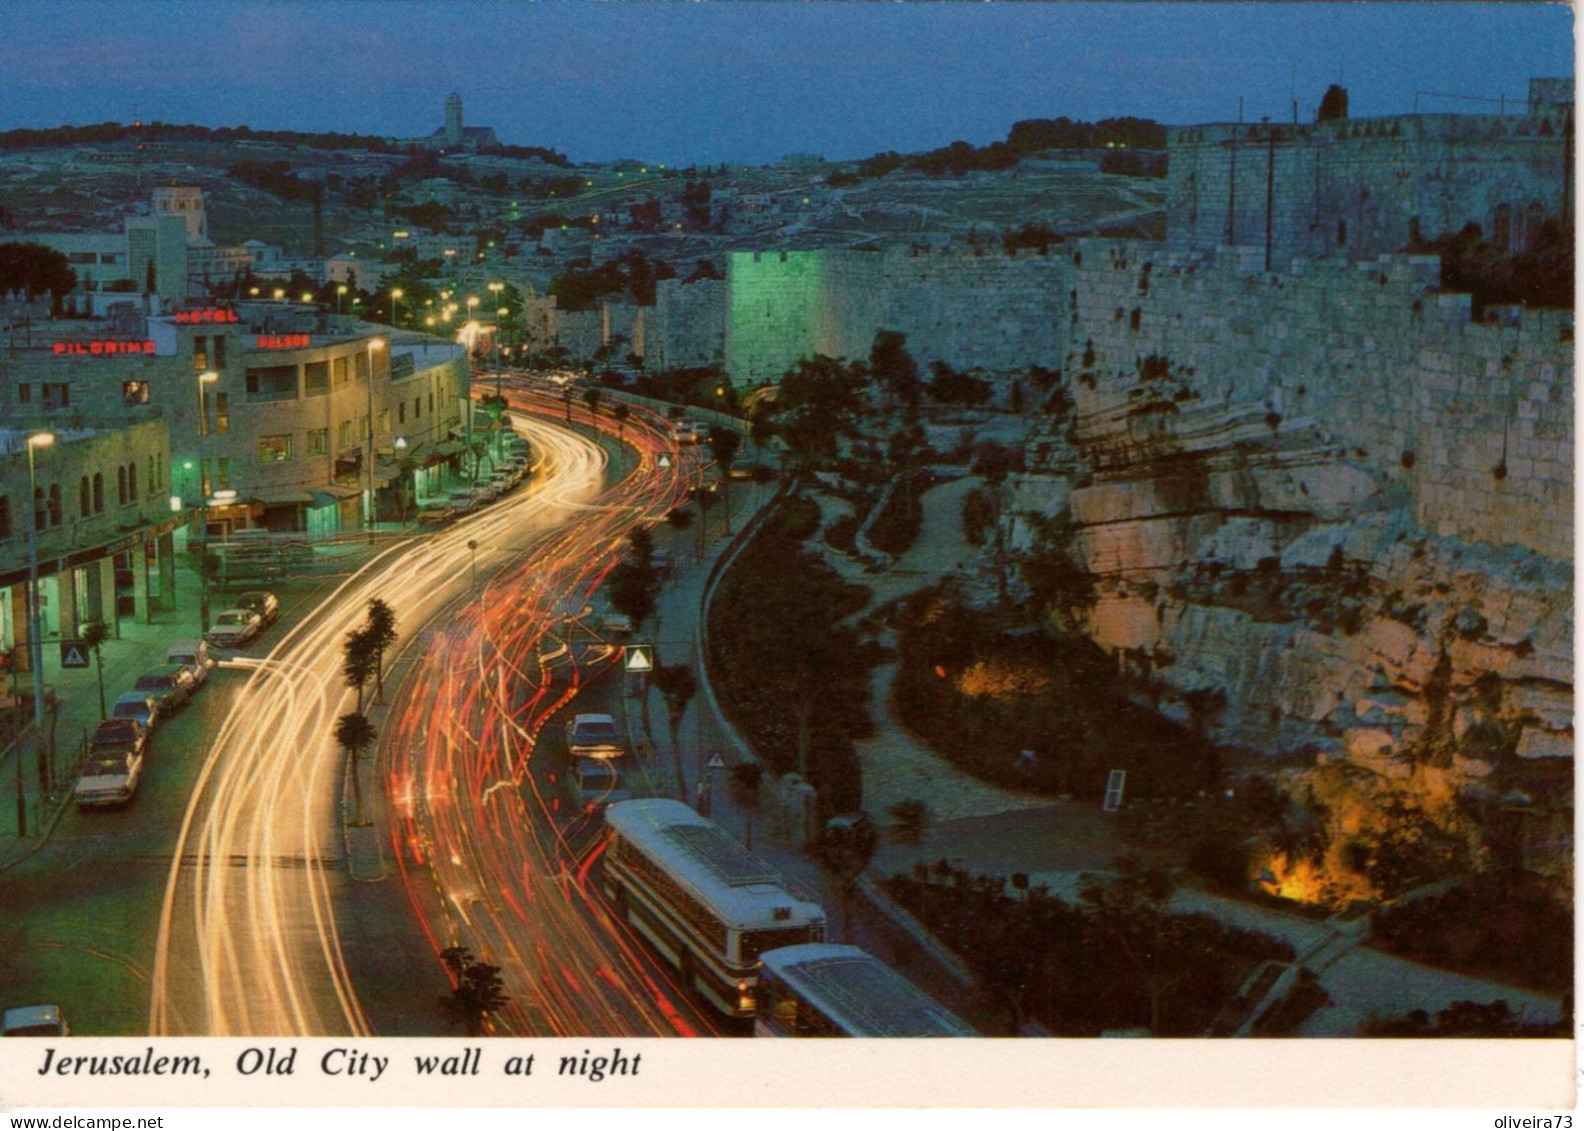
x=859, y=993
x=738, y=886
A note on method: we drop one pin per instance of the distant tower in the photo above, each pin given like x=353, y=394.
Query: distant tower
x=453, y=121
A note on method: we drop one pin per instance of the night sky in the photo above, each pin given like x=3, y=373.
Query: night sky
x=751, y=81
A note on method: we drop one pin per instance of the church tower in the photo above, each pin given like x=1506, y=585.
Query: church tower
x=453, y=120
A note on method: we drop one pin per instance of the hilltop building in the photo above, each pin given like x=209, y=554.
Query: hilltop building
x=456, y=137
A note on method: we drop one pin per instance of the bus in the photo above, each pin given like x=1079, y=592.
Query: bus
x=827, y=990
x=706, y=903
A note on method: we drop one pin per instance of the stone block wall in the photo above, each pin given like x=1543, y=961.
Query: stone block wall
x=1352, y=188
x=687, y=327
x=1473, y=419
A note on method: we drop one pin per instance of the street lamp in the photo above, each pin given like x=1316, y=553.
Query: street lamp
x=35, y=631
x=207, y=378
x=340, y=291
x=396, y=297
x=375, y=344
x=280, y=293
x=308, y=296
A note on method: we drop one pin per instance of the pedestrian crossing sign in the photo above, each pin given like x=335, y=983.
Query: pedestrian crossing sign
x=639, y=657
x=664, y=460
x=74, y=654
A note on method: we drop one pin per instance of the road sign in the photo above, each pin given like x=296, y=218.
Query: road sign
x=74, y=654
x=716, y=762
x=639, y=657
x=664, y=460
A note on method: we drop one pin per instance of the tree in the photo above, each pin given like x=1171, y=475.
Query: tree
x=706, y=499
x=358, y=662
x=479, y=448
x=893, y=367
x=677, y=686
x=382, y=634
x=591, y=397
x=36, y=270
x=633, y=589
x=723, y=445
x=845, y=848
x=818, y=402
x=910, y=821
x=743, y=781
x=94, y=634
x=206, y=565
x=355, y=734
x=620, y=411
x=477, y=991
x=404, y=473
x=1128, y=912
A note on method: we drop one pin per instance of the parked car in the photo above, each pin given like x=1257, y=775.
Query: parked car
x=234, y=628
x=192, y=655
x=34, y=1021
x=465, y=502
x=688, y=432
x=114, y=735
x=108, y=779
x=170, y=686
x=262, y=602
x=593, y=736
x=436, y=514
x=138, y=705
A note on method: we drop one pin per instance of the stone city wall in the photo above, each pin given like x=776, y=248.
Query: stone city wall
x=1474, y=420
x=1354, y=187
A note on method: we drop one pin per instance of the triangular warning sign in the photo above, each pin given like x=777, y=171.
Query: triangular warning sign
x=73, y=659
x=716, y=762
x=664, y=460
x=639, y=657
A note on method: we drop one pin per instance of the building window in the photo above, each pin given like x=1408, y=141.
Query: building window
x=223, y=472
x=360, y=363
x=344, y=436
x=5, y=516
x=38, y=509
x=98, y=492
x=417, y=407
x=222, y=412
x=24, y=394
x=431, y=404
x=401, y=412
x=121, y=494
x=275, y=449
x=57, y=395
x=384, y=421
x=200, y=351
x=84, y=499
x=318, y=441
x=55, y=514
x=316, y=378
x=132, y=482
x=134, y=392
x=338, y=370
x=219, y=351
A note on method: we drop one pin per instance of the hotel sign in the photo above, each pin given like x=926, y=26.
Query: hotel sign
x=283, y=341
x=102, y=347
x=205, y=317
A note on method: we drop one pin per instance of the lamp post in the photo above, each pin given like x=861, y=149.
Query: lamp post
x=396, y=297
x=207, y=378
x=375, y=344
x=340, y=293
x=35, y=630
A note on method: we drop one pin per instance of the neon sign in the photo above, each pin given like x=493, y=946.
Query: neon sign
x=283, y=341
x=102, y=347
x=193, y=317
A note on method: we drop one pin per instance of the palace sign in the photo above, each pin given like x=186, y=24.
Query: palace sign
x=283, y=341
x=102, y=347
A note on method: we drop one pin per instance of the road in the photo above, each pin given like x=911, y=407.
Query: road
x=490, y=853
x=247, y=938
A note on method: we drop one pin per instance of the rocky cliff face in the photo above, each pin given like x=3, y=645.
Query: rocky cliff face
x=1286, y=584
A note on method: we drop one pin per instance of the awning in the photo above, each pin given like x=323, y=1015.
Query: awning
x=322, y=499
x=281, y=498
x=447, y=448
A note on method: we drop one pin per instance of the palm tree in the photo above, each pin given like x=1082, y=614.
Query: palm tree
x=676, y=686
x=705, y=498
x=382, y=634
x=95, y=633
x=355, y=734
x=620, y=411
x=591, y=397
x=743, y=781
x=478, y=991
x=723, y=445
x=846, y=846
x=358, y=662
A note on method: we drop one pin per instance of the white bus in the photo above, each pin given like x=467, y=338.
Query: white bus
x=827, y=990
x=708, y=905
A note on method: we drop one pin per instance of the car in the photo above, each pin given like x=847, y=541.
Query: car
x=234, y=627
x=170, y=686
x=107, y=779
x=465, y=502
x=34, y=1021
x=138, y=705
x=262, y=602
x=688, y=432
x=114, y=735
x=192, y=655
x=593, y=736
x=436, y=514
x=596, y=783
